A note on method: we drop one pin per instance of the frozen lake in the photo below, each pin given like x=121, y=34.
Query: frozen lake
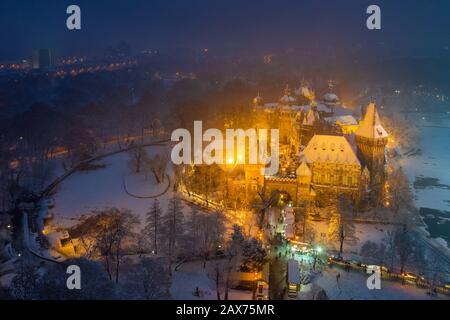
x=429, y=172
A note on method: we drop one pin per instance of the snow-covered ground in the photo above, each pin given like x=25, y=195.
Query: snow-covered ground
x=192, y=275
x=83, y=192
x=352, y=286
x=363, y=232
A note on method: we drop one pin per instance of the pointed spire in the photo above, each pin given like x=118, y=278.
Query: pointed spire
x=370, y=126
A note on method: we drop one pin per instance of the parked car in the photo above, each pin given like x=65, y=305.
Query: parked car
x=357, y=264
x=411, y=277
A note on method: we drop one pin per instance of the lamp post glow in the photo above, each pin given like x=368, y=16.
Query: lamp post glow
x=316, y=253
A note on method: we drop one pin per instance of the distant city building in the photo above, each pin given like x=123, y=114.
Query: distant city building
x=43, y=58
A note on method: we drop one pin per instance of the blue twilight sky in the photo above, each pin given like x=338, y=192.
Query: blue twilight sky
x=411, y=28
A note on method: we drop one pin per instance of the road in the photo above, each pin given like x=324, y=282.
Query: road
x=277, y=272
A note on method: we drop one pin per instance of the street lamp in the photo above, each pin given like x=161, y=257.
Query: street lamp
x=316, y=252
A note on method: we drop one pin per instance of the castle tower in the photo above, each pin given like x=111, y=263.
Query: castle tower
x=371, y=139
x=304, y=177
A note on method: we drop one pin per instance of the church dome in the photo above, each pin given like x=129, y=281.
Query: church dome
x=258, y=100
x=287, y=99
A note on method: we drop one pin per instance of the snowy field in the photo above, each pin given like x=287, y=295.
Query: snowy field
x=192, y=275
x=352, y=286
x=83, y=192
x=363, y=232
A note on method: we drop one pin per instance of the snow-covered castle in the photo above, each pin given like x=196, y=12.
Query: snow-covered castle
x=331, y=151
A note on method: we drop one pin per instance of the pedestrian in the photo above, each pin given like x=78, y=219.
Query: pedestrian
x=338, y=276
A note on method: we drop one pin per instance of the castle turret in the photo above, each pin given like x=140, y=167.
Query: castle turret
x=371, y=139
x=258, y=101
x=304, y=177
x=287, y=99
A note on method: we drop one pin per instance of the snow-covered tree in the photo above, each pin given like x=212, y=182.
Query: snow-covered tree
x=253, y=255
x=391, y=250
x=435, y=270
x=153, y=224
x=211, y=232
x=138, y=157
x=23, y=285
x=157, y=165
x=399, y=197
x=373, y=252
x=193, y=226
x=404, y=245
x=173, y=228
x=145, y=279
x=266, y=202
x=341, y=226
x=95, y=283
x=233, y=256
x=108, y=234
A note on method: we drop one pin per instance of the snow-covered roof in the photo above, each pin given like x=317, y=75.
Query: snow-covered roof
x=287, y=99
x=327, y=148
x=330, y=97
x=346, y=120
x=303, y=170
x=342, y=111
x=370, y=126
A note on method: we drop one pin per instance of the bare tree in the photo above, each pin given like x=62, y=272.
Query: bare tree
x=233, y=256
x=145, y=279
x=138, y=156
x=157, y=165
x=194, y=229
x=373, y=252
x=173, y=228
x=108, y=233
x=211, y=231
x=216, y=274
x=153, y=224
x=266, y=202
x=403, y=245
x=390, y=243
x=341, y=226
x=400, y=195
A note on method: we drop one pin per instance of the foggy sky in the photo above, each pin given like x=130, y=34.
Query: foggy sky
x=411, y=28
